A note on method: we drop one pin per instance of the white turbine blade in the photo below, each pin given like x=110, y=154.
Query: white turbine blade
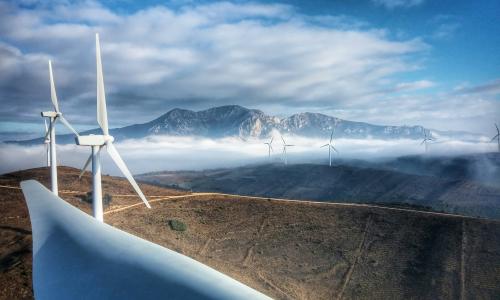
x=272, y=138
x=423, y=142
x=102, y=114
x=324, y=145
x=46, y=126
x=334, y=148
x=87, y=164
x=48, y=131
x=66, y=123
x=284, y=143
x=53, y=94
x=121, y=165
x=494, y=137
x=497, y=128
x=331, y=136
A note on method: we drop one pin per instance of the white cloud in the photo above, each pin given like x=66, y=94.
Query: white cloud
x=190, y=153
x=390, y=4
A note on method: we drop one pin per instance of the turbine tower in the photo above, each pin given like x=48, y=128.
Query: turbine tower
x=497, y=137
x=46, y=141
x=330, y=148
x=427, y=138
x=269, y=146
x=50, y=135
x=97, y=142
x=284, y=149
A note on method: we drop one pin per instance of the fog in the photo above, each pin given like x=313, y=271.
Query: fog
x=194, y=153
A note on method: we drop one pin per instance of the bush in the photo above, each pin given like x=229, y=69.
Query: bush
x=106, y=199
x=177, y=225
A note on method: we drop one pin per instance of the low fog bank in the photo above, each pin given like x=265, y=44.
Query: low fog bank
x=192, y=153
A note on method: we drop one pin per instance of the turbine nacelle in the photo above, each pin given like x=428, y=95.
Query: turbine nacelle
x=50, y=114
x=93, y=140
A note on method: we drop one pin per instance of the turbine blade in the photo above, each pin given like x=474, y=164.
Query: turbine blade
x=284, y=143
x=324, y=145
x=102, y=114
x=331, y=136
x=334, y=149
x=53, y=95
x=272, y=138
x=494, y=138
x=66, y=123
x=87, y=164
x=121, y=165
x=48, y=131
x=497, y=128
x=423, y=142
x=46, y=126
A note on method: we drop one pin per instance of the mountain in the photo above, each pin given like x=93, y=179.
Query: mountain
x=238, y=121
x=341, y=183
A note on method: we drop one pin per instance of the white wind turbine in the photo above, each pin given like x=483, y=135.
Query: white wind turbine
x=284, y=149
x=497, y=137
x=269, y=146
x=97, y=142
x=50, y=135
x=330, y=148
x=427, y=138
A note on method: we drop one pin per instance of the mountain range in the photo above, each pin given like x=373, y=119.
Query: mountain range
x=238, y=121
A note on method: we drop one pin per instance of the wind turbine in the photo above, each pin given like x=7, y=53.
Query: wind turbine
x=497, y=137
x=270, y=146
x=46, y=141
x=284, y=149
x=427, y=138
x=330, y=147
x=50, y=135
x=97, y=142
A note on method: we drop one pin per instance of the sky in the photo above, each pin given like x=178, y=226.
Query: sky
x=391, y=62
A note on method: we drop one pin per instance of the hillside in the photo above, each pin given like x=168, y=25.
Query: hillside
x=342, y=183
x=286, y=249
x=238, y=121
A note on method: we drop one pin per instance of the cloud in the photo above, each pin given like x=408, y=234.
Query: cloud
x=391, y=4
x=196, y=56
x=190, y=153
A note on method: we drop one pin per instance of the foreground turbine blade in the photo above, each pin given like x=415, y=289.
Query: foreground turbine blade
x=324, y=145
x=494, y=138
x=109, y=263
x=66, y=123
x=46, y=127
x=102, y=114
x=331, y=136
x=53, y=94
x=334, y=149
x=121, y=165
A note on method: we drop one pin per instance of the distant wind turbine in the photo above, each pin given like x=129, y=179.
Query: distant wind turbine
x=50, y=135
x=97, y=142
x=269, y=146
x=497, y=137
x=284, y=149
x=330, y=147
x=427, y=138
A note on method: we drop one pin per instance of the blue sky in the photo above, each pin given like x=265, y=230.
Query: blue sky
x=433, y=63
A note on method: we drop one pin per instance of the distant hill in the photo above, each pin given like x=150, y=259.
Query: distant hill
x=342, y=183
x=238, y=121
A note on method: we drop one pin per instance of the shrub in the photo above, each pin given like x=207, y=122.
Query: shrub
x=106, y=199
x=177, y=225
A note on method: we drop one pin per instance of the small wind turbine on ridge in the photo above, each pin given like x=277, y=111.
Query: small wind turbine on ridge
x=269, y=146
x=97, y=142
x=330, y=147
x=50, y=134
x=284, y=149
x=427, y=138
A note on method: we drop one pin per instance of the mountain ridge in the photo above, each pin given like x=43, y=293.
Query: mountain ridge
x=242, y=122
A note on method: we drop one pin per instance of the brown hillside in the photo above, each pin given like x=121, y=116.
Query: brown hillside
x=285, y=249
